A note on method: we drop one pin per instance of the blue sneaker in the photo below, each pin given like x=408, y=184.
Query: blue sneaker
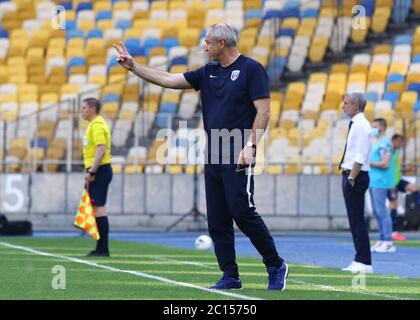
x=226, y=283
x=277, y=277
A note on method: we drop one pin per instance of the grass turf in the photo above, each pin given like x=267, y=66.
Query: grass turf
x=26, y=275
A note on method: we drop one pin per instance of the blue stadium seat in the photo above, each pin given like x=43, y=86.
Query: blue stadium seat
x=74, y=62
x=111, y=97
x=416, y=107
x=134, y=47
x=286, y=32
x=111, y=63
x=415, y=87
x=275, y=71
x=253, y=13
x=369, y=6
x=182, y=143
x=292, y=4
x=290, y=13
x=310, y=13
x=395, y=77
x=272, y=14
x=39, y=143
x=179, y=60
x=94, y=33
x=136, y=51
x=150, y=43
x=163, y=120
x=70, y=25
x=403, y=39
x=416, y=58
x=400, y=10
x=372, y=96
x=391, y=96
x=102, y=15
x=167, y=107
x=123, y=24
x=168, y=43
x=68, y=5
x=4, y=33
x=84, y=6
x=76, y=33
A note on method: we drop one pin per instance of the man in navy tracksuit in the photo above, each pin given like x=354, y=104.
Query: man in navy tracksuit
x=235, y=100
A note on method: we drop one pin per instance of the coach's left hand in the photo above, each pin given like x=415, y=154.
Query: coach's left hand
x=246, y=156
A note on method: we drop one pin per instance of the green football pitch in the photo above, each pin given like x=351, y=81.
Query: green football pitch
x=28, y=270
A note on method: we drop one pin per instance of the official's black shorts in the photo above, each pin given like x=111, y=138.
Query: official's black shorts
x=98, y=189
x=400, y=187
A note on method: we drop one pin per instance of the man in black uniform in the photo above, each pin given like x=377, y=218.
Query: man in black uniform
x=235, y=98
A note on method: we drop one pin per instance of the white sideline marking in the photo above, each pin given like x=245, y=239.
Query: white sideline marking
x=136, y=273
x=325, y=287
x=184, y=262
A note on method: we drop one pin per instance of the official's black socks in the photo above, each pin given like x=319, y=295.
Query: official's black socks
x=103, y=228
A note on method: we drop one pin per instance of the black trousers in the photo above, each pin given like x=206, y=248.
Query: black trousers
x=354, y=198
x=229, y=196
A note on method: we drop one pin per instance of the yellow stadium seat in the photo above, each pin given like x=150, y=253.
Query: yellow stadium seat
x=340, y=68
x=290, y=23
x=11, y=20
x=412, y=77
x=158, y=5
x=398, y=68
x=395, y=87
x=158, y=51
x=116, y=78
x=359, y=68
x=113, y=88
x=385, y=3
x=39, y=38
x=175, y=169
x=178, y=69
x=253, y=23
x=55, y=52
x=252, y=4
x=133, y=32
x=175, y=5
x=85, y=25
x=380, y=19
x=18, y=47
x=409, y=96
x=133, y=169
x=102, y=6
x=318, y=77
x=105, y=24
x=416, y=7
x=189, y=37
x=35, y=56
x=122, y=5
x=416, y=50
x=74, y=52
x=328, y=12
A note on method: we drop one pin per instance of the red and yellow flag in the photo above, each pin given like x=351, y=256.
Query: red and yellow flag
x=85, y=219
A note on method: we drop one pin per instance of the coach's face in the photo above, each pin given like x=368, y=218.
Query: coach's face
x=87, y=112
x=213, y=46
x=350, y=108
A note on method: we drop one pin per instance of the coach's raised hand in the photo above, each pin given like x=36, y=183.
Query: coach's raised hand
x=124, y=58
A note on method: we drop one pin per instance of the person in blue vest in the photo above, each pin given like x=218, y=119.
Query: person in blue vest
x=381, y=180
x=235, y=100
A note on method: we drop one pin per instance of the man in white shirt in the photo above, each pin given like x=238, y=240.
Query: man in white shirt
x=355, y=168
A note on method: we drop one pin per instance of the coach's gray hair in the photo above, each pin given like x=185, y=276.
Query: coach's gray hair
x=358, y=98
x=222, y=31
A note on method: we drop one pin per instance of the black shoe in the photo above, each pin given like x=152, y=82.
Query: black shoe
x=95, y=253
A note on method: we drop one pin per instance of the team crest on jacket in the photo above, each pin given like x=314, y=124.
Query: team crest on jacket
x=234, y=75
